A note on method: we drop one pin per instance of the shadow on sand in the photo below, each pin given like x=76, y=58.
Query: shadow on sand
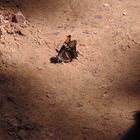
x=134, y=132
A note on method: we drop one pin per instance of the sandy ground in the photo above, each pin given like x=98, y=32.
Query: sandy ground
x=91, y=98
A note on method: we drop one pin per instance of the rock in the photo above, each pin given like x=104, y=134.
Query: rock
x=1, y=8
x=2, y=31
x=39, y=31
x=124, y=14
x=19, y=18
x=6, y=22
x=1, y=20
x=9, y=29
x=7, y=15
x=15, y=28
x=16, y=38
x=106, y=5
x=2, y=41
x=21, y=32
x=105, y=94
x=13, y=122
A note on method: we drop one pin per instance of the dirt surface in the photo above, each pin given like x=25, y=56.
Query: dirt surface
x=91, y=98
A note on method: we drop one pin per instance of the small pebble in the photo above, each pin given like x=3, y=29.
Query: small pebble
x=124, y=14
x=106, y=5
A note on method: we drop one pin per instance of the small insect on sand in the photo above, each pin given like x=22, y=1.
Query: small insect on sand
x=67, y=53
